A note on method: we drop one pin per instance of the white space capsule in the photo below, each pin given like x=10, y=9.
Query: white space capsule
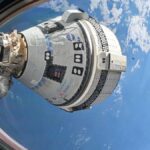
x=72, y=61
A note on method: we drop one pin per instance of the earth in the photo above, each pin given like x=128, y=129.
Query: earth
x=122, y=122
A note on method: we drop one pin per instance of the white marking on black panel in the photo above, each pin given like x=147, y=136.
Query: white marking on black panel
x=78, y=58
x=78, y=46
x=77, y=71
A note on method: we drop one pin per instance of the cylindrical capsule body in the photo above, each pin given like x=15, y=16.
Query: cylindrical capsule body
x=73, y=61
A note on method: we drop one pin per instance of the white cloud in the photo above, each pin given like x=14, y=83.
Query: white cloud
x=134, y=50
x=115, y=107
x=110, y=15
x=60, y=5
x=94, y=4
x=137, y=25
x=116, y=14
x=122, y=76
x=118, y=100
x=138, y=33
x=143, y=7
x=118, y=90
x=136, y=66
x=81, y=138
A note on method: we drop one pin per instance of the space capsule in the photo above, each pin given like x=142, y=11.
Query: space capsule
x=72, y=60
